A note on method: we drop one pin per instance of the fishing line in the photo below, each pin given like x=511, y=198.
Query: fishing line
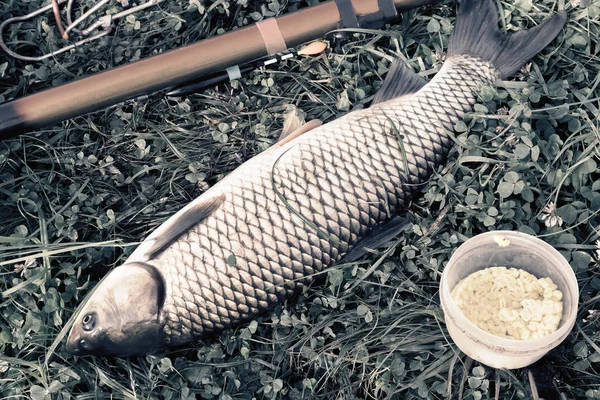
x=312, y=225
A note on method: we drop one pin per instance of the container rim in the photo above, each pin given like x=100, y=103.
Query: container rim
x=497, y=343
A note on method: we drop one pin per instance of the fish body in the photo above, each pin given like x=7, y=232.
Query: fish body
x=296, y=209
x=259, y=235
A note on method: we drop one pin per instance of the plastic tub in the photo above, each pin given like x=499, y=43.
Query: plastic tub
x=509, y=249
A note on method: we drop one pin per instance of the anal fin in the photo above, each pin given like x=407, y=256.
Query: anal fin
x=376, y=237
x=400, y=81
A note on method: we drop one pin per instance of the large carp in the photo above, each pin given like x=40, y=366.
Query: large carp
x=259, y=235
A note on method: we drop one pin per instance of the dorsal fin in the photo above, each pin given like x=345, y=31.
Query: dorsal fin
x=309, y=126
x=400, y=81
x=376, y=237
x=293, y=120
x=181, y=223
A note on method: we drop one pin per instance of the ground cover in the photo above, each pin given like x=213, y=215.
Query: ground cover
x=76, y=198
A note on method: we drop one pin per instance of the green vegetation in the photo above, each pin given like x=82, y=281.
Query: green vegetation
x=76, y=198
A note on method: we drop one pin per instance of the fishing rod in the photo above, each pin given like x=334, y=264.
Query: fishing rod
x=176, y=67
x=237, y=71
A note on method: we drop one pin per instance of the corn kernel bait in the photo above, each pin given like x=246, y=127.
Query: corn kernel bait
x=510, y=302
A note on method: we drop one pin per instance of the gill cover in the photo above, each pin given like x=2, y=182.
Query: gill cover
x=122, y=317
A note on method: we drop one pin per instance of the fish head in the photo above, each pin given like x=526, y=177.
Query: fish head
x=123, y=315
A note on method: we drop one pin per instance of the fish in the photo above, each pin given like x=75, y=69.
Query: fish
x=316, y=198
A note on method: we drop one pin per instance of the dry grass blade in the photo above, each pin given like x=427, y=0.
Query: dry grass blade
x=56, y=12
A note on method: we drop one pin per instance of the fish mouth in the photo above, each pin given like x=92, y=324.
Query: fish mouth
x=94, y=343
x=81, y=343
x=73, y=346
x=78, y=345
x=74, y=341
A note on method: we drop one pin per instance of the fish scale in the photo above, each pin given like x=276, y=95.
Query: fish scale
x=343, y=179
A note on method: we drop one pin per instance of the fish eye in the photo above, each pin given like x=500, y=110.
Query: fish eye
x=89, y=321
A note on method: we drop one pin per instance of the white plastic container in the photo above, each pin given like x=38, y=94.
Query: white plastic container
x=509, y=249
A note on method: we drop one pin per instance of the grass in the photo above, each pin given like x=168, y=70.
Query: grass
x=76, y=198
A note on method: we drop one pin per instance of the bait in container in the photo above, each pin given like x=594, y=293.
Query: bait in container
x=509, y=249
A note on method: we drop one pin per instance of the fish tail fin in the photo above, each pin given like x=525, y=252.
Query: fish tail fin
x=476, y=33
